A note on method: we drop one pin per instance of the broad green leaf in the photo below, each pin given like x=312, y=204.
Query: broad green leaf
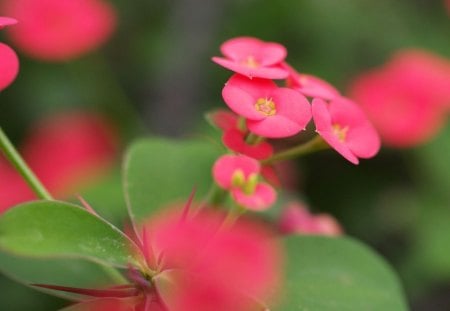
x=16, y=297
x=160, y=171
x=328, y=274
x=55, y=229
x=55, y=271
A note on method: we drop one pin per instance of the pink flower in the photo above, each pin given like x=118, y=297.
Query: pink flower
x=9, y=66
x=296, y=218
x=344, y=126
x=206, y=266
x=270, y=111
x=407, y=99
x=9, y=62
x=65, y=152
x=239, y=174
x=234, y=137
x=309, y=85
x=235, y=140
x=253, y=58
x=60, y=30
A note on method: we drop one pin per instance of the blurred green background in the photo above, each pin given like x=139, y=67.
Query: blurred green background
x=155, y=76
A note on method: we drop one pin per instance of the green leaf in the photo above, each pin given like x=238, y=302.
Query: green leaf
x=337, y=274
x=56, y=271
x=159, y=171
x=55, y=229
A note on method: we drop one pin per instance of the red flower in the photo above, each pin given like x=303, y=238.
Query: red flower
x=270, y=111
x=239, y=174
x=234, y=137
x=60, y=30
x=207, y=266
x=407, y=100
x=253, y=58
x=309, y=85
x=344, y=126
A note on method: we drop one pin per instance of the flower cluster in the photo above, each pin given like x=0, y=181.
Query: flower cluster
x=262, y=110
x=9, y=63
x=408, y=98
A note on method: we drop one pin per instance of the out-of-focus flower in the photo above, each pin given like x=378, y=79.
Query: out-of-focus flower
x=345, y=127
x=65, y=151
x=9, y=62
x=270, y=111
x=60, y=30
x=211, y=267
x=239, y=174
x=407, y=99
x=253, y=58
x=296, y=218
x=309, y=85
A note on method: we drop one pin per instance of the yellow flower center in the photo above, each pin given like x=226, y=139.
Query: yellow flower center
x=340, y=132
x=266, y=107
x=248, y=185
x=251, y=62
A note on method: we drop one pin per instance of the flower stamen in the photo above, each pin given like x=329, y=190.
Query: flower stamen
x=266, y=106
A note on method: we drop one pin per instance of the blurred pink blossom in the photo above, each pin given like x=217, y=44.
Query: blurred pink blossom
x=60, y=30
x=209, y=266
x=65, y=151
x=296, y=218
x=344, y=126
x=253, y=58
x=408, y=98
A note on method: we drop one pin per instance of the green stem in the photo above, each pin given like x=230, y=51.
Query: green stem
x=16, y=160
x=215, y=196
x=253, y=139
x=315, y=144
x=233, y=214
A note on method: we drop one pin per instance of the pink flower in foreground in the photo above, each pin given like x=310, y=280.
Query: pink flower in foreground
x=239, y=174
x=296, y=218
x=253, y=58
x=270, y=111
x=344, y=126
x=207, y=266
x=407, y=100
x=309, y=85
x=65, y=151
x=60, y=30
x=9, y=63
